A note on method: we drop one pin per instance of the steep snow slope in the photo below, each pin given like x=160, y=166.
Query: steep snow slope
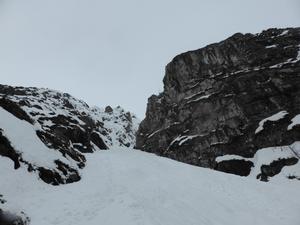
x=137, y=188
x=24, y=139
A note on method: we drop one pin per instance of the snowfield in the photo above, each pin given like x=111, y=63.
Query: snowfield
x=130, y=187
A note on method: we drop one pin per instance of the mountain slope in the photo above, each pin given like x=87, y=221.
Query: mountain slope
x=134, y=187
x=234, y=97
x=49, y=131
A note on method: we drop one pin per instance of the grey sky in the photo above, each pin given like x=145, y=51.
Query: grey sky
x=114, y=52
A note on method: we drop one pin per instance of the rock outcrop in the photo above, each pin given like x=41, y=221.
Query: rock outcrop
x=49, y=132
x=7, y=218
x=230, y=98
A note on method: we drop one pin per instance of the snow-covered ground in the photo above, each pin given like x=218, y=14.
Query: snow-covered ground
x=131, y=187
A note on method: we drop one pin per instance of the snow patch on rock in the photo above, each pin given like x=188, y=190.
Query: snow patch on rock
x=295, y=121
x=266, y=156
x=275, y=117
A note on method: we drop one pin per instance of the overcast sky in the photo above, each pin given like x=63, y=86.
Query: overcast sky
x=114, y=52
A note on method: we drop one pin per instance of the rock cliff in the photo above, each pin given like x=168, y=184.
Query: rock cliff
x=231, y=98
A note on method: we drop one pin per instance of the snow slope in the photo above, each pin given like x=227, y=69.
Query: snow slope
x=137, y=188
x=24, y=139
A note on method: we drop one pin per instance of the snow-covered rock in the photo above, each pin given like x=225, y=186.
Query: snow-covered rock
x=282, y=161
x=49, y=131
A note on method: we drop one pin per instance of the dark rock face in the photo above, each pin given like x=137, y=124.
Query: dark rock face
x=67, y=126
x=238, y=167
x=215, y=97
x=7, y=218
x=108, y=109
x=8, y=151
